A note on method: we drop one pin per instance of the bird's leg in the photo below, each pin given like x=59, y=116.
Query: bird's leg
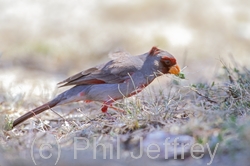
x=104, y=108
x=108, y=104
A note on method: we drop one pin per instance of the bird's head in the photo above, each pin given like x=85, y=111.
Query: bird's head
x=167, y=61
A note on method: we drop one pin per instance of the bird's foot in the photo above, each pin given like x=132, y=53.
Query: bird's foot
x=105, y=109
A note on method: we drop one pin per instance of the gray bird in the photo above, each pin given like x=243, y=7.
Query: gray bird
x=125, y=75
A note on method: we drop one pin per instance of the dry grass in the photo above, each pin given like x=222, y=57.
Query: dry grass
x=42, y=46
x=211, y=113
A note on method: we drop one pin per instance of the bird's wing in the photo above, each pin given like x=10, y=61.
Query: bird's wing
x=115, y=71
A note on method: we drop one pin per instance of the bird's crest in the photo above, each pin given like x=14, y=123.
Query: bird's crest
x=154, y=51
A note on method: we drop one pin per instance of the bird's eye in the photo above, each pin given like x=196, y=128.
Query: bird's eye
x=167, y=62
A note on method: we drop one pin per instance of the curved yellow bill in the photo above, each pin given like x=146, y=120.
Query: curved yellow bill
x=174, y=70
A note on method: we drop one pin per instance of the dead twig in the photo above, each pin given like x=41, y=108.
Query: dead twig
x=206, y=97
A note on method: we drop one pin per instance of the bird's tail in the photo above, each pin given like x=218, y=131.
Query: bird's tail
x=70, y=95
x=36, y=111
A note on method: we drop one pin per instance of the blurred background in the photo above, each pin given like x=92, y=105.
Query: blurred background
x=43, y=42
